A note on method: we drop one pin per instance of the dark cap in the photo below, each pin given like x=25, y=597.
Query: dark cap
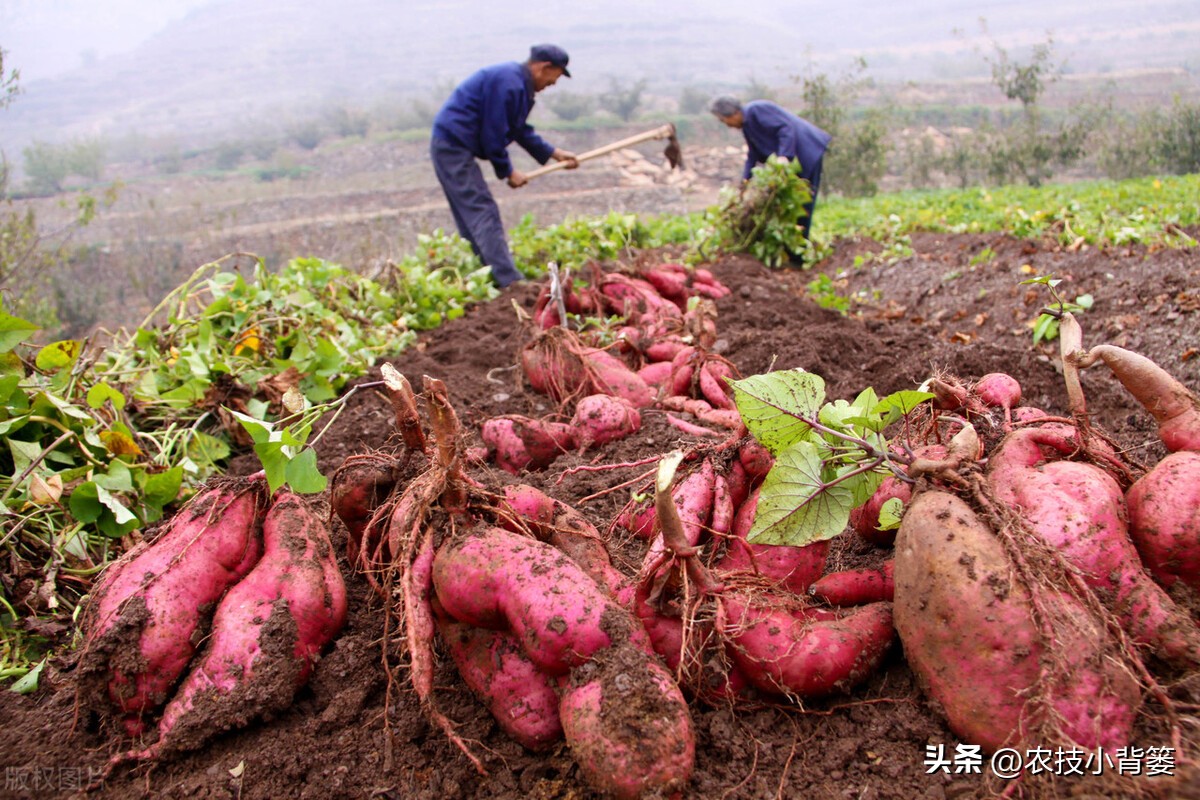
x=552, y=53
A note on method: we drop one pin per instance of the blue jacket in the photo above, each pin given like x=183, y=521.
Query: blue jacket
x=487, y=112
x=772, y=130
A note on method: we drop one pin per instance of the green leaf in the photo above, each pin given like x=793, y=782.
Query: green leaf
x=890, y=513
x=85, y=503
x=274, y=460
x=23, y=453
x=58, y=355
x=120, y=513
x=163, y=487
x=117, y=479
x=302, y=473
x=899, y=404
x=28, y=682
x=207, y=449
x=771, y=406
x=795, y=507
x=102, y=392
x=260, y=431
x=13, y=331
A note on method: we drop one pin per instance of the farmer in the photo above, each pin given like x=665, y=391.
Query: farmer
x=772, y=130
x=483, y=116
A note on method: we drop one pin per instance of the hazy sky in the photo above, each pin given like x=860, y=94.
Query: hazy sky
x=47, y=37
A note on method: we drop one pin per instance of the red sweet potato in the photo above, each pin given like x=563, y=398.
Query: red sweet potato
x=524, y=443
x=500, y=580
x=804, y=653
x=794, y=568
x=521, y=697
x=693, y=498
x=560, y=525
x=149, y=608
x=1173, y=405
x=970, y=634
x=600, y=419
x=1164, y=519
x=855, y=587
x=628, y=725
x=268, y=631
x=1079, y=509
x=999, y=390
x=865, y=518
x=359, y=487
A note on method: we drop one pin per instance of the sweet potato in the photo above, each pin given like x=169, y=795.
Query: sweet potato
x=521, y=697
x=865, y=518
x=999, y=390
x=500, y=580
x=628, y=725
x=560, y=525
x=693, y=499
x=970, y=633
x=149, y=609
x=268, y=631
x=360, y=485
x=804, y=653
x=600, y=419
x=1164, y=519
x=857, y=586
x=609, y=375
x=1079, y=509
x=520, y=442
x=794, y=568
x=1173, y=405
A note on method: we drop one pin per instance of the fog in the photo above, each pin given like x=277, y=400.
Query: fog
x=98, y=67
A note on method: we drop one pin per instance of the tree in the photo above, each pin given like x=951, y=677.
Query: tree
x=621, y=99
x=857, y=157
x=693, y=100
x=570, y=107
x=9, y=87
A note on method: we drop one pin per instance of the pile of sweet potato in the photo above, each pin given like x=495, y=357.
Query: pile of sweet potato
x=215, y=621
x=1029, y=578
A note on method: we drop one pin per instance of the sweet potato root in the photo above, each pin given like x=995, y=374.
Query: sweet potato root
x=628, y=725
x=1164, y=519
x=268, y=631
x=1079, y=509
x=149, y=609
x=521, y=697
x=970, y=633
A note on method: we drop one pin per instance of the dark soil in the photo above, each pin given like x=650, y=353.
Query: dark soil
x=932, y=312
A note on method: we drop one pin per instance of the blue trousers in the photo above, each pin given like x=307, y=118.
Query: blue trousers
x=475, y=211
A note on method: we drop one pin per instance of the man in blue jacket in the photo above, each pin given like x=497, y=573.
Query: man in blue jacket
x=484, y=115
x=772, y=130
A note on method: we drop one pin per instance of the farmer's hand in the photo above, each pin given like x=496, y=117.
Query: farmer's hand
x=517, y=179
x=567, y=156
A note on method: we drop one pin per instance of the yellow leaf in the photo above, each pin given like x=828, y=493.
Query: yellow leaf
x=120, y=444
x=248, y=342
x=45, y=492
x=1027, y=269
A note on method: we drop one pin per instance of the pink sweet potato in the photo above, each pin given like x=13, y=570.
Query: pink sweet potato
x=804, y=654
x=521, y=697
x=560, y=525
x=1173, y=405
x=359, y=487
x=693, y=498
x=865, y=518
x=794, y=568
x=628, y=725
x=524, y=443
x=999, y=390
x=268, y=632
x=970, y=634
x=149, y=608
x=1164, y=519
x=500, y=580
x=600, y=419
x=855, y=587
x=1079, y=509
